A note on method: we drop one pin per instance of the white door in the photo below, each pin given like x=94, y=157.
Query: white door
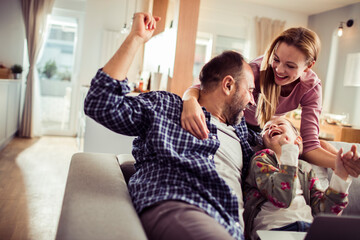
x=57, y=69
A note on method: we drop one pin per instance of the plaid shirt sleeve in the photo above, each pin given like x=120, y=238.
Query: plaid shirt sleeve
x=108, y=104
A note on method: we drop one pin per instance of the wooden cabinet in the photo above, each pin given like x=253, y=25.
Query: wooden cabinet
x=164, y=9
x=337, y=132
x=9, y=109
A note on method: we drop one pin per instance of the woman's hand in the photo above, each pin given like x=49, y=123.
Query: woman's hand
x=352, y=162
x=193, y=119
x=340, y=169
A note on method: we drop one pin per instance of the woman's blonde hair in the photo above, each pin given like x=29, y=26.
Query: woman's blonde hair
x=305, y=41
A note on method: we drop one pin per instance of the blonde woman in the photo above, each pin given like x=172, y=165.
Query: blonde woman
x=283, y=81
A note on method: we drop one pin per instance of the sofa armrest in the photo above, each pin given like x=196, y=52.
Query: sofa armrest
x=96, y=202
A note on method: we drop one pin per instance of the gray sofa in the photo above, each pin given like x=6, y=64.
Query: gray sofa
x=97, y=204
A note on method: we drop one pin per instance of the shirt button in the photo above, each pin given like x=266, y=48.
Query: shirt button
x=237, y=224
x=210, y=157
x=233, y=192
x=214, y=137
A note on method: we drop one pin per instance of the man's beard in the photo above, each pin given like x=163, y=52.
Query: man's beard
x=233, y=111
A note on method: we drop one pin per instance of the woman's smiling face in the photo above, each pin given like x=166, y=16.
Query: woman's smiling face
x=288, y=64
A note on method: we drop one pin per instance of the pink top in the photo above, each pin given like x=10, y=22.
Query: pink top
x=307, y=93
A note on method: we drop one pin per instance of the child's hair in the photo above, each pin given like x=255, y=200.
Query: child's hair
x=297, y=133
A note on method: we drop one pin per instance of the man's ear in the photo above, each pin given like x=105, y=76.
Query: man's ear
x=310, y=65
x=228, y=84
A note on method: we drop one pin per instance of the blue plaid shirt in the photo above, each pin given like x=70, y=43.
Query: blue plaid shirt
x=171, y=164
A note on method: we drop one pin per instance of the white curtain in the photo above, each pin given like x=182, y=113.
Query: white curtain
x=266, y=30
x=35, y=15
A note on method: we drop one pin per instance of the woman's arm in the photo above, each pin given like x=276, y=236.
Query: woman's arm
x=192, y=116
x=315, y=151
x=324, y=158
x=319, y=152
x=321, y=157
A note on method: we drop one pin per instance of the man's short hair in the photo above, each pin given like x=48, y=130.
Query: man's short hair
x=213, y=72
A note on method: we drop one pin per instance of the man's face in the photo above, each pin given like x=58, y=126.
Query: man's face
x=241, y=97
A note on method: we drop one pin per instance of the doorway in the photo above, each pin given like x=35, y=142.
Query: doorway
x=57, y=70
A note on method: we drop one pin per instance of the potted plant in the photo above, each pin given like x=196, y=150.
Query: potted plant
x=50, y=69
x=65, y=75
x=16, y=69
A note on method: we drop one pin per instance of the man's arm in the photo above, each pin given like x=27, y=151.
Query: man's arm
x=142, y=29
x=106, y=101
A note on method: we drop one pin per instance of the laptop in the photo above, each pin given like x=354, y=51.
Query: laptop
x=329, y=227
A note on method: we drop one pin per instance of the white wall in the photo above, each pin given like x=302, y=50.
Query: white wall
x=12, y=38
x=100, y=16
x=225, y=17
x=12, y=33
x=102, y=140
x=237, y=18
x=75, y=5
x=341, y=99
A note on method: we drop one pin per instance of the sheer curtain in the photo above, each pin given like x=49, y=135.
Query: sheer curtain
x=35, y=14
x=266, y=30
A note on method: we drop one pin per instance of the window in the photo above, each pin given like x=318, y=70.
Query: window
x=57, y=59
x=55, y=70
x=203, y=50
x=224, y=43
x=206, y=48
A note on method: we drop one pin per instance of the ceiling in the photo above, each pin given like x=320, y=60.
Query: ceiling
x=307, y=7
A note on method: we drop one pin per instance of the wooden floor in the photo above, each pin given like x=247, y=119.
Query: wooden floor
x=33, y=175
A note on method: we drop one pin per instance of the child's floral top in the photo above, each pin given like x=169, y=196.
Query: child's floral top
x=268, y=181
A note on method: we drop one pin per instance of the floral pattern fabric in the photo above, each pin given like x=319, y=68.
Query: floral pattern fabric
x=268, y=181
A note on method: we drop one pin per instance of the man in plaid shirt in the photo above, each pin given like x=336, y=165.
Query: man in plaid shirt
x=184, y=187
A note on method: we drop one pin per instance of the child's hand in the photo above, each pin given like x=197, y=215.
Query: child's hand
x=339, y=166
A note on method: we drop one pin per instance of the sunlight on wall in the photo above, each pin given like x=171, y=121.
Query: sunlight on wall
x=330, y=76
